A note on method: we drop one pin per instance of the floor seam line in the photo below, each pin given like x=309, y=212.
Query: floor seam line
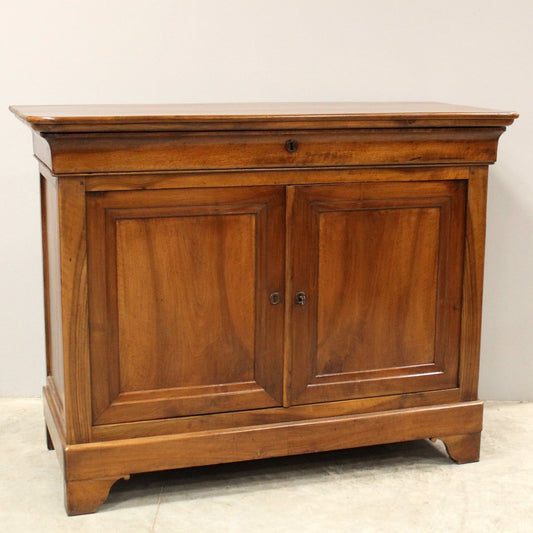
x=157, y=510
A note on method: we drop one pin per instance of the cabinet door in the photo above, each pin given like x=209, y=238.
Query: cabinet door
x=180, y=317
x=380, y=265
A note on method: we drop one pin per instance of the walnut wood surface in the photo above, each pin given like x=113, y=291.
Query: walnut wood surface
x=52, y=284
x=364, y=247
x=167, y=229
x=473, y=281
x=55, y=421
x=74, y=309
x=269, y=115
x=85, y=496
x=463, y=448
x=116, y=458
x=181, y=321
x=238, y=178
x=91, y=469
x=381, y=267
x=273, y=415
x=189, y=277
x=125, y=152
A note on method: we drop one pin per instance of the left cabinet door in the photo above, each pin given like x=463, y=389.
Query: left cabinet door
x=180, y=315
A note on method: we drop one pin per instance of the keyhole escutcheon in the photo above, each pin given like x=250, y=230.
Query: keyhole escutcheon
x=300, y=298
x=291, y=145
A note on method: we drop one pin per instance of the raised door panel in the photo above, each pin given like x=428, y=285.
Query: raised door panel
x=381, y=267
x=180, y=317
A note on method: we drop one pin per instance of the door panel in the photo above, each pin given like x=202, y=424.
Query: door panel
x=180, y=318
x=381, y=267
x=186, y=284
x=354, y=309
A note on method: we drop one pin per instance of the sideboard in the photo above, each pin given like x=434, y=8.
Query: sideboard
x=228, y=282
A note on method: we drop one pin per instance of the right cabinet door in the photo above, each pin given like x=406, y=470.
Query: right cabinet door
x=375, y=276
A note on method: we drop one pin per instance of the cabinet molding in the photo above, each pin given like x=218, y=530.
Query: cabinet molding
x=234, y=282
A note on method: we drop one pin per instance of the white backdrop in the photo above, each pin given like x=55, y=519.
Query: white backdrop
x=476, y=52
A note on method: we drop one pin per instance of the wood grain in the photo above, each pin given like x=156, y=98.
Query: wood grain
x=52, y=285
x=74, y=309
x=181, y=321
x=201, y=179
x=381, y=267
x=473, y=282
x=84, y=463
x=463, y=448
x=249, y=116
x=175, y=239
x=55, y=419
x=123, y=152
x=46, y=274
x=85, y=496
x=273, y=415
x=180, y=295
x=117, y=458
x=377, y=267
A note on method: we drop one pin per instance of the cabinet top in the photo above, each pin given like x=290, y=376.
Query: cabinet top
x=256, y=116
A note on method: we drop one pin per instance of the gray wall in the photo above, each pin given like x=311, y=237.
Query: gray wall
x=134, y=51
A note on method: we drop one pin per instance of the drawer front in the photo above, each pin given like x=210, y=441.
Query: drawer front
x=133, y=152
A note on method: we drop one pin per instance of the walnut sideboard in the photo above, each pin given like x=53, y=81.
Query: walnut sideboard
x=234, y=282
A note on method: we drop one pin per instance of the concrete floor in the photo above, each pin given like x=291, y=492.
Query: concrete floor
x=411, y=487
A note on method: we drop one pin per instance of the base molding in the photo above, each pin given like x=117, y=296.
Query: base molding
x=463, y=448
x=90, y=469
x=85, y=496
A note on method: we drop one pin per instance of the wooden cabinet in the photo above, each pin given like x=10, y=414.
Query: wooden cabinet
x=225, y=283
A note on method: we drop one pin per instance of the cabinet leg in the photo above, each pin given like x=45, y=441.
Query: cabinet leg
x=85, y=496
x=49, y=443
x=463, y=448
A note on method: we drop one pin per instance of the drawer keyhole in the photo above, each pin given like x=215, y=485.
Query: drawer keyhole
x=291, y=145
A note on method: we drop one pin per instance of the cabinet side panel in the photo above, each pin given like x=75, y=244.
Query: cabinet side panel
x=473, y=282
x=74, y=308
x=52, y=286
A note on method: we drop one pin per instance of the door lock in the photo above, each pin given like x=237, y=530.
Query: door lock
x=275, y=298
x=300, y=298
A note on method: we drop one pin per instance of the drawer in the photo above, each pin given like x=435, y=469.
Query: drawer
x=134, y=152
